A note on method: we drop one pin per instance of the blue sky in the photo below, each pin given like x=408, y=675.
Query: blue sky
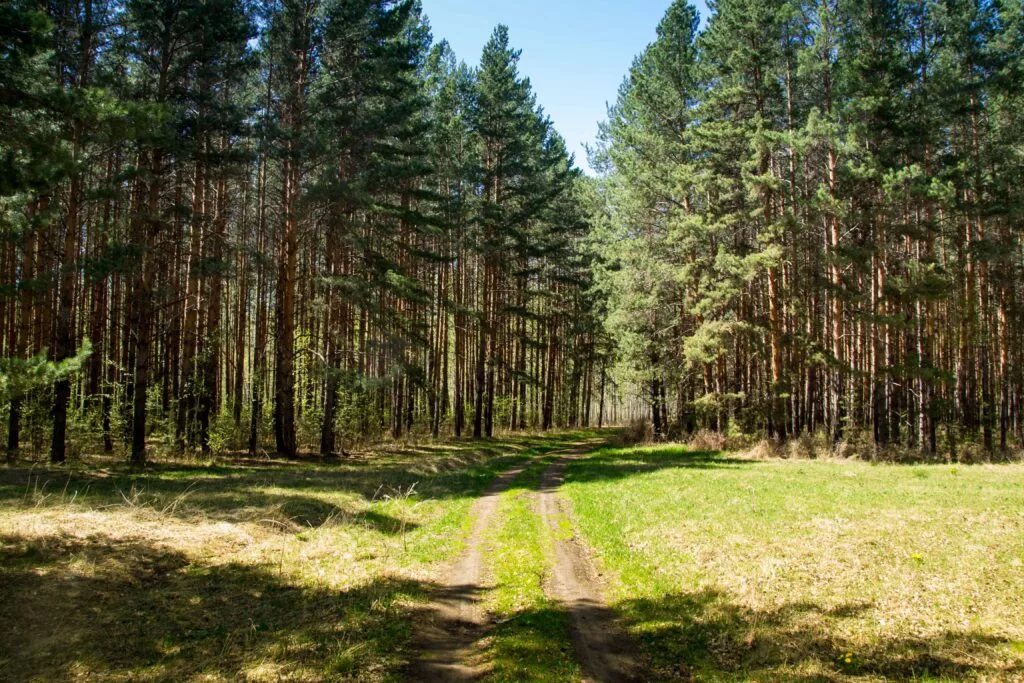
x=575, y=52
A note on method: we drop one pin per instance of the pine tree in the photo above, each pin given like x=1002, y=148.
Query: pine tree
x=450, y=87
x=28, y=166
x=649, y=143
x=503, y=117
x=293, y=39
x=373, y=115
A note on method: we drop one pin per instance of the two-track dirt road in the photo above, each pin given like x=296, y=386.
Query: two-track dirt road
x=450, y=631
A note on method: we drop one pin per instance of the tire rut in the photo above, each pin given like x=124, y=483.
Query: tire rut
x=603, y=648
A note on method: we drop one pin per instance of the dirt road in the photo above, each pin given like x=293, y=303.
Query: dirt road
x=604, y=649
x=449, y=632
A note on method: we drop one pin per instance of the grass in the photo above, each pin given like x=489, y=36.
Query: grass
x=531, y=639
x=728, y=569
x=725, y=568
x=232, y=570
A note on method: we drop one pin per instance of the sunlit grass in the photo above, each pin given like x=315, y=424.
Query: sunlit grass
x=735, y=569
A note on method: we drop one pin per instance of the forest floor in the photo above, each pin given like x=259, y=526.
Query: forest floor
x=548, y=558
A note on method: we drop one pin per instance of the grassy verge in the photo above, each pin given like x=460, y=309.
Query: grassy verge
x=531, y=639
x=730, y=569
x=234, y=570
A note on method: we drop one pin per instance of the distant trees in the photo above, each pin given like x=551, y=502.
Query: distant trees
x=524, y=171
x=311, y=213
x=804, y=210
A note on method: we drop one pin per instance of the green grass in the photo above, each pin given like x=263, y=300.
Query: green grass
x=531, y=639
x=728, y=569
x=724, y=568
x=233, y=570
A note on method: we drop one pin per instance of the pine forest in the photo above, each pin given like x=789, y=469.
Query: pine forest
x=288, y=226
x=636, y=341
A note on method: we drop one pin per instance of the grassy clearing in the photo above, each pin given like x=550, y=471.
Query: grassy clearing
x=236, y=570
x=531, y=639
x=730, y=569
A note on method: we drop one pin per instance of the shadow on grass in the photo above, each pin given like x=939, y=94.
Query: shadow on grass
x=708, y=635
x=613, y=463
x=104, y=608
x=535, y=645
x=107, y=609
x=296, y=490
